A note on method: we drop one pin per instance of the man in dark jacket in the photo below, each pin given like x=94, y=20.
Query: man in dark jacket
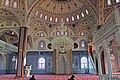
x=72, y=77
x=32, y=78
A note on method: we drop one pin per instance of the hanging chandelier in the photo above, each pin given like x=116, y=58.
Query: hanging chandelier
x=62, y=42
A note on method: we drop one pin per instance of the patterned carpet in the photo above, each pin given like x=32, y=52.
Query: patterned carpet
x=52, y=77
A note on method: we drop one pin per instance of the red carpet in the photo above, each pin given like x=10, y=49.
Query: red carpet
x=52, y=77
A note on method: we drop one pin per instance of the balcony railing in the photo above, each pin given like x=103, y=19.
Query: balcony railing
x=8, y=46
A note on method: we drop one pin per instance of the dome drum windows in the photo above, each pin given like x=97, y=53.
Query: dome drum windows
x=56, y=19
x=68, y=18
x=78, y=17
x=46, y=17
x=82, y=14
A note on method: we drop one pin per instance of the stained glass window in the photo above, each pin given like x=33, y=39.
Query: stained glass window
x=36, y=13
x=7, y=3
x=61, y=19
x=15, y=4
x=41, y=63
x=41, y=34
x=51, y=19
x=67, y=19
x=109, y=2
x=86, y=11
x=117, y=1
x=41, y=45
x=78, y=17
x=73, y=18
x=83, y=62
x=56, y=19
x=46, y=17
x=41, y=15
x=58, y=33
x=83, y=44
x=82, y=14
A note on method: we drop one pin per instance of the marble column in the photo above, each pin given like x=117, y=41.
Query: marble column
x=108, y=59
x=99, y=63
x=21, y=51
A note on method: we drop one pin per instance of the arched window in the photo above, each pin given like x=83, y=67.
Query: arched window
x=61, y=19
x=41, y=15
x=41, y=34
x=82, y=33
x=117, y=1
x=15, y=4
x=78, y=17
x=7, y=2
x=82, y=14
x=67, y=19
x=87, y=12
x=46, y=17
x=83, y=62
x=62, y=33
x=51, y=18
x=83, y=44
x=41, y=63
x=73, y=18
x=58, y=33
x=109, y=2
x=41, y=45
x=36, y=13
x=56, y=19
x=66, y=33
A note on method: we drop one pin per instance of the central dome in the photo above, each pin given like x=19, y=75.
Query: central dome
x=62, y=1
x=60, y=7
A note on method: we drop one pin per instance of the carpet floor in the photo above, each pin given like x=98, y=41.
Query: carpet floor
x=52, y=77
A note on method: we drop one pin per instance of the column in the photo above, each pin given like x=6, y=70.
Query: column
x=54, y=57
x=99, y=63
x=21, y=51
x=108, y=59
x=71, y=60
x=117, y=16
x=57, y=61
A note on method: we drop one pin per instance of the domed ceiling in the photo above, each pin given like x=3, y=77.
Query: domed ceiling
x=63, y=10
x=61, y=6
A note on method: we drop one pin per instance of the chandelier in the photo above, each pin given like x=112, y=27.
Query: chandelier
x=62, y=42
